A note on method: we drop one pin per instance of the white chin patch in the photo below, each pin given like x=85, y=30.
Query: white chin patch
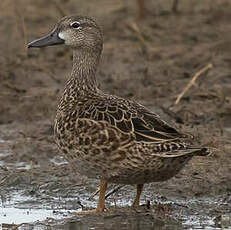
x=62, y=36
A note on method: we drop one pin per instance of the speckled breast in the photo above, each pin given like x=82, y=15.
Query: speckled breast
x=79, y=156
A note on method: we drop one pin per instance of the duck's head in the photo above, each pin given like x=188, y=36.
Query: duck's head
x=79, y=32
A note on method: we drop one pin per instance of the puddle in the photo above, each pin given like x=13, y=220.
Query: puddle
x=1, y=140
x=58, y=160
x=14, y=165
x=18, y=216
x=18, y=165
x=18, y=208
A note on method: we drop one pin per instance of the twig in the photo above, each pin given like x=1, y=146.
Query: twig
x=114, y=190
x=115, y=202
x=109, y=194
x=139, y=35
x=175, y=6
x=140, y=8
x=82, y=206
x=192, y=82
x=21, y=26
x=94, y=194
x=5, y=178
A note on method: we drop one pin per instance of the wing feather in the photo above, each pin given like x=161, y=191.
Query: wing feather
x=131, y=117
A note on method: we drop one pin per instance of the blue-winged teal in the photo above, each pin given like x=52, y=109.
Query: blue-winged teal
x=105, y=136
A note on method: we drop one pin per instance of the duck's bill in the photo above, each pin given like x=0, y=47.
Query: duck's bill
x=49, y=40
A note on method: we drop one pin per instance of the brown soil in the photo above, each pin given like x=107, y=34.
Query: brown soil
x=153, y=70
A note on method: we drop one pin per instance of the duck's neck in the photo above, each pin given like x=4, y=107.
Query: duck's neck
x=83, y=73
x=82, y=81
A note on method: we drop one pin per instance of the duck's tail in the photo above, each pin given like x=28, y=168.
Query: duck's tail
x=200, y=151
x=181, y=150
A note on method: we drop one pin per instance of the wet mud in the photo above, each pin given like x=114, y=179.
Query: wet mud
x=149, y=60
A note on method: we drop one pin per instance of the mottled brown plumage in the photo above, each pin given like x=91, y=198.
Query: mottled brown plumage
x=104, y=136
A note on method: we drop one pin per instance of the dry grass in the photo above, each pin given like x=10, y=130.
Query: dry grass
x=21, y=29
x=192, y=82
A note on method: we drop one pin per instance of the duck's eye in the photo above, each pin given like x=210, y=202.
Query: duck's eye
x=75, y=25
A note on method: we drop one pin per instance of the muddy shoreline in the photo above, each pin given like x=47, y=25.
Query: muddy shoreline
x=154, y=72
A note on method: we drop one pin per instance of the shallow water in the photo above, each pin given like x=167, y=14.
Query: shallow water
x=18, y=209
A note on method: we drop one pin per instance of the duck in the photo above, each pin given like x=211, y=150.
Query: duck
x=104, y=136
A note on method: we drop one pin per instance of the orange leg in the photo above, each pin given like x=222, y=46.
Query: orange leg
x=139, y=189
x=101, y=200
